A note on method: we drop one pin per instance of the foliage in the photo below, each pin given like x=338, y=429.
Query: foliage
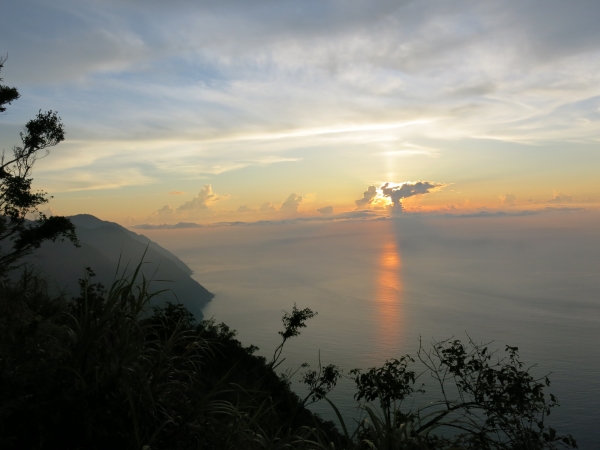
x=497, y=402
x=390, y=383
x=103, y=370
x=321, y=382
x=19, y=236
x=7, y=94
x=291, y=324
x=487, y=402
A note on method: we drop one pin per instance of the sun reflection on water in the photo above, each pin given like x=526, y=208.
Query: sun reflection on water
x=388, y=299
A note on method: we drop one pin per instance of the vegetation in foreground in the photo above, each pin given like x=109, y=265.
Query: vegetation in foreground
x=99, y=371
x=18, y=235
x=102, y=371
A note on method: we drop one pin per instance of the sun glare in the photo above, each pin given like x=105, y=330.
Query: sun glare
x=388, y=296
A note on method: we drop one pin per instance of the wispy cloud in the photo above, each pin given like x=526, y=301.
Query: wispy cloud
x=155, y=92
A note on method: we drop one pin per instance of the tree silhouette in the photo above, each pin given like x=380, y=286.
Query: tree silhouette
x=18, y=235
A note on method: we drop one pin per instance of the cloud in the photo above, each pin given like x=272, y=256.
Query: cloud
x=405, y=190
x=164, y=213
x=559, y=197
x=244, y=209
x=176, y=193
x=410, y=149
x=202, y=201
x=35, y=215
x=292, y=203
x=49, y=212
x=527, y=212
x=201, y=204
x=176, y=94
x=350, y=215
x=367, y=197
x=167, y=226
x=359, y=215
x=92, y=174
x=326, y=210
x=508, y=199
x=563, y=209
x=265, y=207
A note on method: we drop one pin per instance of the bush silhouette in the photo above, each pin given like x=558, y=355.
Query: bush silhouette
x=19, y=236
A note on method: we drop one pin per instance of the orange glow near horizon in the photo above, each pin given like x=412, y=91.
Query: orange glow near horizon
x=388, y=296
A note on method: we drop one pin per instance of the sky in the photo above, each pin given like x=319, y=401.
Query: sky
x=249, y=110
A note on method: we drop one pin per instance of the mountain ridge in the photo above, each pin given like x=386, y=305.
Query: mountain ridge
x=112, y=251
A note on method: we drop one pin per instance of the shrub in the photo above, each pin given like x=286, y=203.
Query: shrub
x=104, y=371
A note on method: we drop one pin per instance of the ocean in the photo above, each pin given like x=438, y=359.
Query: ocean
x=530, y=280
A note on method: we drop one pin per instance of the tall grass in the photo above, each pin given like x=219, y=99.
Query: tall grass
x=105, y=370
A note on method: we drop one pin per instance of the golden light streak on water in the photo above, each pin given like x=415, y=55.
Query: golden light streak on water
x=388, y=299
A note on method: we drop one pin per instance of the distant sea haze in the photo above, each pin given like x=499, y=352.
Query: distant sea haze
x=378, y=286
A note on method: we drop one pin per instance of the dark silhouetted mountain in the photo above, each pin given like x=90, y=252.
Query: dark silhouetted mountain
x=112, y=251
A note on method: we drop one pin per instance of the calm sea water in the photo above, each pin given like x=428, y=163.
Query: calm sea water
x=378, y=286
